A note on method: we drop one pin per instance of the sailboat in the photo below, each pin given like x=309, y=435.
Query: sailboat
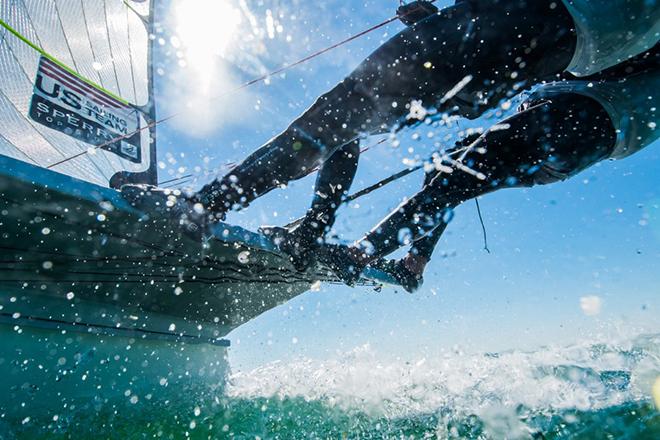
x=95, y=296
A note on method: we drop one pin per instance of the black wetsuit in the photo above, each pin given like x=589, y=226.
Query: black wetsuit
x=547, y=142
x=550, y=139
x=496, y=43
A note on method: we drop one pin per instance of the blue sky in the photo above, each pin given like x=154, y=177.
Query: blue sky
x=595, y=235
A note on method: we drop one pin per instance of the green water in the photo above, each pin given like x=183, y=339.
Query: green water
x=588, y=391
x=300, y=419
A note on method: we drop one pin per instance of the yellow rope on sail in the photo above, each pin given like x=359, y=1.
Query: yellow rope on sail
x=59, y=63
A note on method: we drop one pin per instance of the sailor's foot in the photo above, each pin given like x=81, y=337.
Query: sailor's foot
x=410, y=279
x=171, y=203
x=295, y=243
x=344, y=261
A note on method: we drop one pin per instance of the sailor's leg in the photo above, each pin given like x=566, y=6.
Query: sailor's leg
x=289, y=156
x=412, y=266
x=422, y=249
x=496, y=43
x=334, y=179
x=547, y=142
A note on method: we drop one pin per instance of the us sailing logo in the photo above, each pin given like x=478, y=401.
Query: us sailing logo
x=65, y=103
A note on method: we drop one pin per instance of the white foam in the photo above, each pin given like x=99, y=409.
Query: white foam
x=583, y=376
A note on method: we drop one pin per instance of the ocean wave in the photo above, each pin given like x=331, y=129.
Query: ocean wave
x=504, y=391
x=582, y=391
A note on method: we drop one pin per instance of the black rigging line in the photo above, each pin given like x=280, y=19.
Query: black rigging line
x=398, y=176
x=164, y=182
x=382, y=183
x=483, y=226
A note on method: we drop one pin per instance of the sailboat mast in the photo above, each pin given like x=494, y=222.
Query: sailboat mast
x=150, y=176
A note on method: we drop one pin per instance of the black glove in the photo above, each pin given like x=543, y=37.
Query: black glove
x=416, y=11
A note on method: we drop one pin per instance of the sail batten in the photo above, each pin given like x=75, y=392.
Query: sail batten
x=140, y=71
x=75, y=78
x=79, y=43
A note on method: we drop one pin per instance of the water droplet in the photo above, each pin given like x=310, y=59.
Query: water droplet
x=591, y=305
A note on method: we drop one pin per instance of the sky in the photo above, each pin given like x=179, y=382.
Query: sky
x=569, y=262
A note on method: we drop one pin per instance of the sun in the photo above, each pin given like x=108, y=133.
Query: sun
x=205, y=37
x=206, y=29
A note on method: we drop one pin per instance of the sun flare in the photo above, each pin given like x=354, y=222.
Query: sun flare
x=205, y=29
x=205, y=34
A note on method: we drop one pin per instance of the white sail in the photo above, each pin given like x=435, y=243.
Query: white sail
x=97, y=54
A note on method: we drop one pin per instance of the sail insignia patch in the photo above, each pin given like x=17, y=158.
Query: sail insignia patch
x=63, y=102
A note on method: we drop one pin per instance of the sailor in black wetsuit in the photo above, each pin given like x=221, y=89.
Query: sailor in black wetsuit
x=497, y=45
x=563, y=128
x=493, y=48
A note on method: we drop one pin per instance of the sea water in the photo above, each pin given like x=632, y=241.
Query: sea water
x=584, y=391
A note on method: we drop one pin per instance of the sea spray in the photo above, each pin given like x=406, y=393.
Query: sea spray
x=518, y=394
x=588, y=390
x=588, y=376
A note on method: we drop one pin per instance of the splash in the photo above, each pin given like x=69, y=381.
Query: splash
x=589, y=390
x=502, y=389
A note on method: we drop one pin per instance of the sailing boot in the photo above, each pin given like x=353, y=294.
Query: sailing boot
x=185, y=210
x=409, y=280
x=302, y=238
x=344, y=261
